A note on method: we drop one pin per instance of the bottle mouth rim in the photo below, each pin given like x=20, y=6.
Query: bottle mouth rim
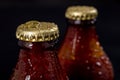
x=81, y=22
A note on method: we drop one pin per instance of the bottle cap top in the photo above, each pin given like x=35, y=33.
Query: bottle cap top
x=35, y=31
x=81, y=13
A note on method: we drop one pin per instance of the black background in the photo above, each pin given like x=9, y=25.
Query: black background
x=15, y=12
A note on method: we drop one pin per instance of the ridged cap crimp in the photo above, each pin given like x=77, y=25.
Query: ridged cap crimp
x=35, y=31
x=81, y=13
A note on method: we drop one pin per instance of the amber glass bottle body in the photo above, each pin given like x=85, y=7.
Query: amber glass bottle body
x=81, y=54
x=38, y=61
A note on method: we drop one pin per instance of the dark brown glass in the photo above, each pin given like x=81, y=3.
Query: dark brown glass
x=81, y=54
x=38, y=61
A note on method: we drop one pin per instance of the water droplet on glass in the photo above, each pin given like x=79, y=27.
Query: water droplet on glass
x=98, y=63
x=88, y=68
x=97, y=43
x=27, y=77
x=96, y=50
x=79, y=37
x=41, y=76
x=103, y=57
x=107, y=62
x=86, y=61
x=78, y=40
x=29, y=62
x=99, y=73
x=82, y=46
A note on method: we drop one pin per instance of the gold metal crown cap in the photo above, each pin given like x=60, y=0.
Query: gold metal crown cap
x=35, y=31
x=81, y=13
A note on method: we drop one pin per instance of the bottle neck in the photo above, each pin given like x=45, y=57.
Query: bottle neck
x=83, y=30
x=86, y=27
x=39, y=61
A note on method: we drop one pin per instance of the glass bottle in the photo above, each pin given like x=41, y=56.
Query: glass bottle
x=81, y=54
x=37, y=58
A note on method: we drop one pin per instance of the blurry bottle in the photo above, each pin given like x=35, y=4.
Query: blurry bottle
x=81, y=54
x=37, y=58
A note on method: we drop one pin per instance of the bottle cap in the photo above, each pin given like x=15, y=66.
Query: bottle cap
x=35, y=31
x=81, y=13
